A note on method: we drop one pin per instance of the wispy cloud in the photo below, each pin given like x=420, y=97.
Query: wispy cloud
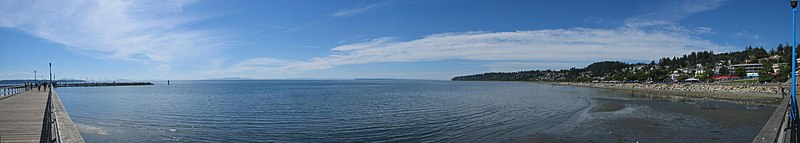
x=511, y=66
x=641, y=38
x=149, y=32
x=704, y=30
x=154, y=33
x=543, y=46
x=746, y=35
x=670, y=12
x=750, y=37
x=351, y=12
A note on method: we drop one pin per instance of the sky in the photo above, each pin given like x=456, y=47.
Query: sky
x=409, y=39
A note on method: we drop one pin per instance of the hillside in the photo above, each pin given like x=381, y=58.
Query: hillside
x=701, y=65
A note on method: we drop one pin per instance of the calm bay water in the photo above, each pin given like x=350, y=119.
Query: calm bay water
x=395, y=111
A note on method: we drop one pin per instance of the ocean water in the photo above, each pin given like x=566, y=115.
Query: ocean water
x=395, y=111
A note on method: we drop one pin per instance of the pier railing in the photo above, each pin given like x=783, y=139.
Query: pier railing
x=6, y=91
x=779, y=128
x=50, y=132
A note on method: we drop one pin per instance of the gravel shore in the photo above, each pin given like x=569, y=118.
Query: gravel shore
x=747, y=94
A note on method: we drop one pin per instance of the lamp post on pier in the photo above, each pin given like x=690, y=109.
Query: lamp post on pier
x=793, y=103
x=793, y=124
x=50, y=67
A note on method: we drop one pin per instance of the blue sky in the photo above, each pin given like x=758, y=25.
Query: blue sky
x=426, y=39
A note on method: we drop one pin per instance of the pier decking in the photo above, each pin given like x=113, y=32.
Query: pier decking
x=23, y=119
x=22, y=116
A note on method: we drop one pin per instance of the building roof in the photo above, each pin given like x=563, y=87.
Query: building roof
x=724, y=77
x=736, y=65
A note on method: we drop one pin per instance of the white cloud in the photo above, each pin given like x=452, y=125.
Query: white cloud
x=512, y=66
x=642, y=38
x=704, y=30
x=146, y=32
x=351, y=12
x=543, y=46
x=746, y=35
x=669, y=12
x=564, y=45
x=153, y=33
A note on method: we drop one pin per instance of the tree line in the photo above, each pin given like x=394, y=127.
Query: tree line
x=704, y=64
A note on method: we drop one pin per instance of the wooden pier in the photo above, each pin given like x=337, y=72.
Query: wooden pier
x=24, y=118
x=777, y=129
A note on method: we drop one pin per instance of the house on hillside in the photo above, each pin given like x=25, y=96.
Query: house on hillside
x=749, y=68
x=674, y=76
x=699, y=73
x=776, y=67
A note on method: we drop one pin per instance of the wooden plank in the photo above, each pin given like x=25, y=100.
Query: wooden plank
x=21, y=116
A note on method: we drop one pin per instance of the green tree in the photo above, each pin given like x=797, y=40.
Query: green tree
x=783, y=73
x=683, y=77
x=724, y=71
x=765, y=77
x=706, y=75
x=740, y=72
x=657, y=74
x=765, y=74
x=606, y=67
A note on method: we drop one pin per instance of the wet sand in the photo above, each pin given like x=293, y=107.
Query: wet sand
x=639, y=119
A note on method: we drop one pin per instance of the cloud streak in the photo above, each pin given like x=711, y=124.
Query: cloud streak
x=155, y=33
x=148, y=32
x=641, y=38
x=351, y=12
x=669, y=12
x=542, y=46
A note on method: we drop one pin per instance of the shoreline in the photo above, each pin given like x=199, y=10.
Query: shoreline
x=742, y=94
x=622, y=120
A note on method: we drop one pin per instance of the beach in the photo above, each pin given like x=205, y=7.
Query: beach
x=742, y=94
x=615, y=120
x=719, y=105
